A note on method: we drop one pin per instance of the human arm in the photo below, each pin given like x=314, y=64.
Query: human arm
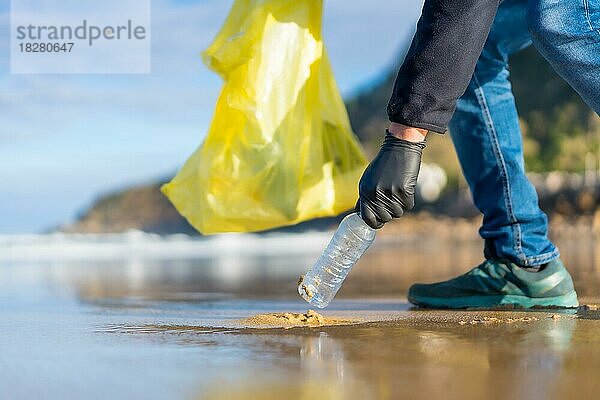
x=435, y=73
x=440, y=62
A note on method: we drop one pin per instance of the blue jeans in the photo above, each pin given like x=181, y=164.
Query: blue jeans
x=485, y=128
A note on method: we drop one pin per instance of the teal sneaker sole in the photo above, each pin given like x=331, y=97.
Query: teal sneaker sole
x=568, y=300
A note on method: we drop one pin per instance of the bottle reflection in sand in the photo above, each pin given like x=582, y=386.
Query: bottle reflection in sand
x=321, y=356
x=323, y=363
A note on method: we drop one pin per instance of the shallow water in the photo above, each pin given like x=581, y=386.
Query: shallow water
x=142, y=326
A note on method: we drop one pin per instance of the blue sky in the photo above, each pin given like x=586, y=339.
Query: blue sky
x=66, y=139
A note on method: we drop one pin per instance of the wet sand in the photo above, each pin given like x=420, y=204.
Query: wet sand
x=235, y=328
x=383, y=313
x=312, y=319
x=392, y=350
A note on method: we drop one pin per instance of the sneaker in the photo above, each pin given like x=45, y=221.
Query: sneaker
x=499, y=283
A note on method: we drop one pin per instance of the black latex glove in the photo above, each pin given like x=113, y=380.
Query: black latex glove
x=387, y=187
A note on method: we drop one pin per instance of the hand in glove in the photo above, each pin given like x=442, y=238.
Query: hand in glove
x=387, y=187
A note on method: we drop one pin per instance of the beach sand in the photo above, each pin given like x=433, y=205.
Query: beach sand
x=289, y=320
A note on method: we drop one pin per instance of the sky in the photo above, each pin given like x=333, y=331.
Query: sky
x=67, y=139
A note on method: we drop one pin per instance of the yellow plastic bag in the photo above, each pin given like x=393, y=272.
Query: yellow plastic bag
x=280, y=149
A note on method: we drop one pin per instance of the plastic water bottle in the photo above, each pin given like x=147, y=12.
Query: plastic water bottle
x=352, y=238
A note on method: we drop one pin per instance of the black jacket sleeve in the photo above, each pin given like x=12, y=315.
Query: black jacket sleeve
x=440, y=62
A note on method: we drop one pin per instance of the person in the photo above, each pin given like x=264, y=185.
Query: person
x=456, y=74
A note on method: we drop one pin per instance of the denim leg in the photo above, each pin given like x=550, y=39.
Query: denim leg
x=487, y=137
x=567, y=33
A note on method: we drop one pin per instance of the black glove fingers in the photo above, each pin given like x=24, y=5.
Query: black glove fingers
x=387, y=186
x=407, y=201
x=382, y=214
x=369, y=216
x=392, y=201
